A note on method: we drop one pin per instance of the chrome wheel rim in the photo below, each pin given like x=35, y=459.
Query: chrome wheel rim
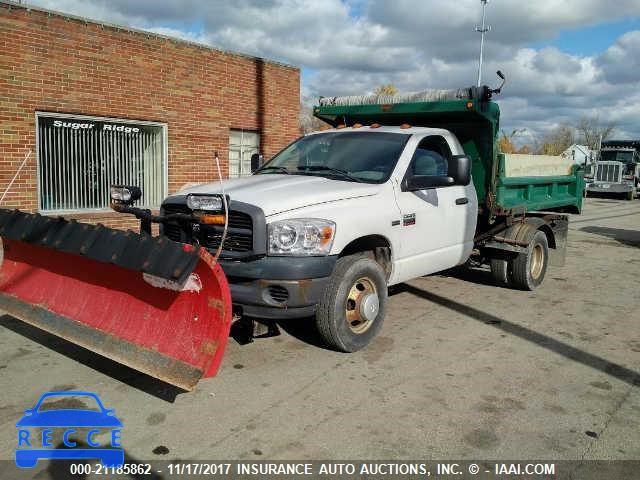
x=362, y=305
x=537, y=261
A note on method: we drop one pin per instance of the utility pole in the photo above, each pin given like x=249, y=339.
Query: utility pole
x=482, y=30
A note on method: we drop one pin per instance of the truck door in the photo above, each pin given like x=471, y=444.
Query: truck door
x=438, y=224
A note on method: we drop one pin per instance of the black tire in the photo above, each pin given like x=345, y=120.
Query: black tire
x=354, y=278
x=529, y=268
x=500, y=271
x=630, y=195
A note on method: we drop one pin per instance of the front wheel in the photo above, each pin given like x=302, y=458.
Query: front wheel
x=353, y=305
x=530, y=267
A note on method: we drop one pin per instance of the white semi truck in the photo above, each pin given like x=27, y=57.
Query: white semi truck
x=617, y=170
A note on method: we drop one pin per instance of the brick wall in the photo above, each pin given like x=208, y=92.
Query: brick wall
x=51, y=62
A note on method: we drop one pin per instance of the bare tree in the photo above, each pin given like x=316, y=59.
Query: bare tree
x=387, y=89
x=557, y=140
x=590, y=131
x=307, y=122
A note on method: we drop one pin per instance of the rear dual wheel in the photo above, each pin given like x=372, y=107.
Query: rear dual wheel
x=525, y=271
x=500, y=270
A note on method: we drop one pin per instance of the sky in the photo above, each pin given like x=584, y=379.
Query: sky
x=564, y=59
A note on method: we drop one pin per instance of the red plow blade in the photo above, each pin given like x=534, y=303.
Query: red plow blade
x=157, y=306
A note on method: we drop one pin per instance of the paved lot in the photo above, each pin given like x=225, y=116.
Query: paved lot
x=462, y=369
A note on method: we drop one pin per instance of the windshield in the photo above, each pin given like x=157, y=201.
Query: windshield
x=368, y=157
x=617, y=156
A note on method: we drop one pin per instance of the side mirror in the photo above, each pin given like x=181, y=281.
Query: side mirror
x=460, y=169
x=256, y=161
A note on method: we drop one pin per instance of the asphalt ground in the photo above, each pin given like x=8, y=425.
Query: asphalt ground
x=461, y=370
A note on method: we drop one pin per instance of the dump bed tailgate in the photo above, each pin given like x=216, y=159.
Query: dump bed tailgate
x=539, y=182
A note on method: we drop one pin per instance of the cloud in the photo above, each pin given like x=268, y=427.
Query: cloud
x=620, y=64
x=351, y=46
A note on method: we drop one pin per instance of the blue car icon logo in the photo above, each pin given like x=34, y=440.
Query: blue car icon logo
x=32, y=447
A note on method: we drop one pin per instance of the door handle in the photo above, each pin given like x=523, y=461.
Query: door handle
x=462, y=201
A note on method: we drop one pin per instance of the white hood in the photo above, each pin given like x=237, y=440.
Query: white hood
x=277, y=193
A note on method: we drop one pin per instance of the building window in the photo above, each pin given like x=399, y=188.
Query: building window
x=242, y=145
x=80, y=157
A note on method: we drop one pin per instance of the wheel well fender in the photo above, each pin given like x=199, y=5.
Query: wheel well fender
x=551, y=238
x=541, y=225
x=377, y=246
x=521, y=233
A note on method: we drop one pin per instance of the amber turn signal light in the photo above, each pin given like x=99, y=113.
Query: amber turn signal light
x=211, y=219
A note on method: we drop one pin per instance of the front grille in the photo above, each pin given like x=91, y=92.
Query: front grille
x=239, y=233
x=608, y=172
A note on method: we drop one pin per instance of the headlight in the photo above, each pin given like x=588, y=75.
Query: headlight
x=208, y=203
x=125, y=194
x=301, y=236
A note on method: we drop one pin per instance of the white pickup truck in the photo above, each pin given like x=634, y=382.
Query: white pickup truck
x=325, y=226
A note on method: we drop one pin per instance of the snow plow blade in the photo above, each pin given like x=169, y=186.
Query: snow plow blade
x=158, y=306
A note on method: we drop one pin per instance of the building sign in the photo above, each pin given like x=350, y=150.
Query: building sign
x=111, y=127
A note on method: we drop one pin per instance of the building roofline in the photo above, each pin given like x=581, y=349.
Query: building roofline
x=583, y=148
x=11, y=5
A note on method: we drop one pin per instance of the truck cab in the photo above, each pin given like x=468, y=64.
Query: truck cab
x=618, y=169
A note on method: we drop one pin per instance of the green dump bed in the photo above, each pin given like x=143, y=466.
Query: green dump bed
x=561, y=188
x=475, y=120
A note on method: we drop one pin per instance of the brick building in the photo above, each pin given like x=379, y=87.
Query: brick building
x=100, y=104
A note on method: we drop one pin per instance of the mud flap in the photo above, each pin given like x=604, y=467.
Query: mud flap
x=157, y=306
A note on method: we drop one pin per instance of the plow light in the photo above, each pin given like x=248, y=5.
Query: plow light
x=208, y=203
x=125, y=194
